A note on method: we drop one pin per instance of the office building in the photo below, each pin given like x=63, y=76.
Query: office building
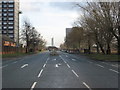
x=9, y=19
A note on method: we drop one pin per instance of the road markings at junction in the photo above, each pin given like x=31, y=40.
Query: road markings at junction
x=40, y=73
x=87, y=86
x=75, y=73
x=114, y=65
x=113, y=70
x=66, y=56
x=90, y=62
x=68, y=65
x=15, y=62
x=100, y=65
x=33, y=86
x=25, y=65
x=73, y=59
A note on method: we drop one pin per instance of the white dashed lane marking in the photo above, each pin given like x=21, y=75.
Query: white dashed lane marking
x=40, y=73
x=87, y=86
x=75, y=73
x=33, y=86
x=68, y=66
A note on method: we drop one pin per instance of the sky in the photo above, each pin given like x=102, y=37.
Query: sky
x=50, y=18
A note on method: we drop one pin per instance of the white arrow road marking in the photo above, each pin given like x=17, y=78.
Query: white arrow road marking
x=56, y=65
x=86, y=85
x=40, y=73
x=33, y=86
x=25, y=65
x=113, y=70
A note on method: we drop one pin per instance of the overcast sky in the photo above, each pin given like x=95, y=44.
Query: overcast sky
x=50, y=18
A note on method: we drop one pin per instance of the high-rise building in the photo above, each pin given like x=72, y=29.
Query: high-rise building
x=68, y=30
x=9, y=19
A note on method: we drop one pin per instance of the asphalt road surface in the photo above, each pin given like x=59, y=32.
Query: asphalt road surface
x=61, y=71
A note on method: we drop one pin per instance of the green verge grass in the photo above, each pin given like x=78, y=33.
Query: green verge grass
x=15, y=55
x=111, y=57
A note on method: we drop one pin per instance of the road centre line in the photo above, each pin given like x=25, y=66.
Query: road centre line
x=44, y=65
x=100, y=65
x=68, y=66
x=40, y=73
x=25, y=65
x=33, y=86
x=113, y=70
x=75, y=73
x=87, y=86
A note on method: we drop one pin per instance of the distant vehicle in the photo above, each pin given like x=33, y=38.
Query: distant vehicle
x=53, y=52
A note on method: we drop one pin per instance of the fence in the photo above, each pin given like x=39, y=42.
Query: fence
x=12, y=50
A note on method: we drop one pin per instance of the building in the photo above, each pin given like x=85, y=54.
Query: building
x=9, y=19
x=68, y=30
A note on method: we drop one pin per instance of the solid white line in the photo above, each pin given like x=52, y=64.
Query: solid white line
x=44, y=65
x=75, y=73
x=113, y=70
x=68, y=66
x=86, y=85
x=100, y=65
x=24, y=65
x=33, y=86
x=40, y=73
x=90, y=62
x=4, y=66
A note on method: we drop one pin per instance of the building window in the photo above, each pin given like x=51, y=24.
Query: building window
x=4, y=18
x=0, y=14
x=0, y=31
x=10, y=27
x=10, y=14
x=10, y=10
x=0, y=5
x=10, y=23
x=10, y=31
x=5, y=10
x=4, y=27
x=5, y=14
x=11, y=6
x=4, y=31
x=11, y=36
x=4, y=5
x=4, y=23
x=11, y=18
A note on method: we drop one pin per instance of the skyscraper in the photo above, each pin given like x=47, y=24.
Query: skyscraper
x=9, y=19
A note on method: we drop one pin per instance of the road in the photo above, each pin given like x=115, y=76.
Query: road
x=61, y=71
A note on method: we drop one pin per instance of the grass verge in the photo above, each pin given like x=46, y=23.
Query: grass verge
x=111, y=57
x=16, y=55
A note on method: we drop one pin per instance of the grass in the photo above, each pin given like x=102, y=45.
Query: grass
x=15, y=55
x=111, y=57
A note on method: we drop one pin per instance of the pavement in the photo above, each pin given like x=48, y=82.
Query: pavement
x=61, y=71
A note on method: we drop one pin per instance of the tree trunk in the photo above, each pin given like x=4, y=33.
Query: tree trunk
x=108, y=49
x=101, y=47
x=98, y=51
x=119, y=47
